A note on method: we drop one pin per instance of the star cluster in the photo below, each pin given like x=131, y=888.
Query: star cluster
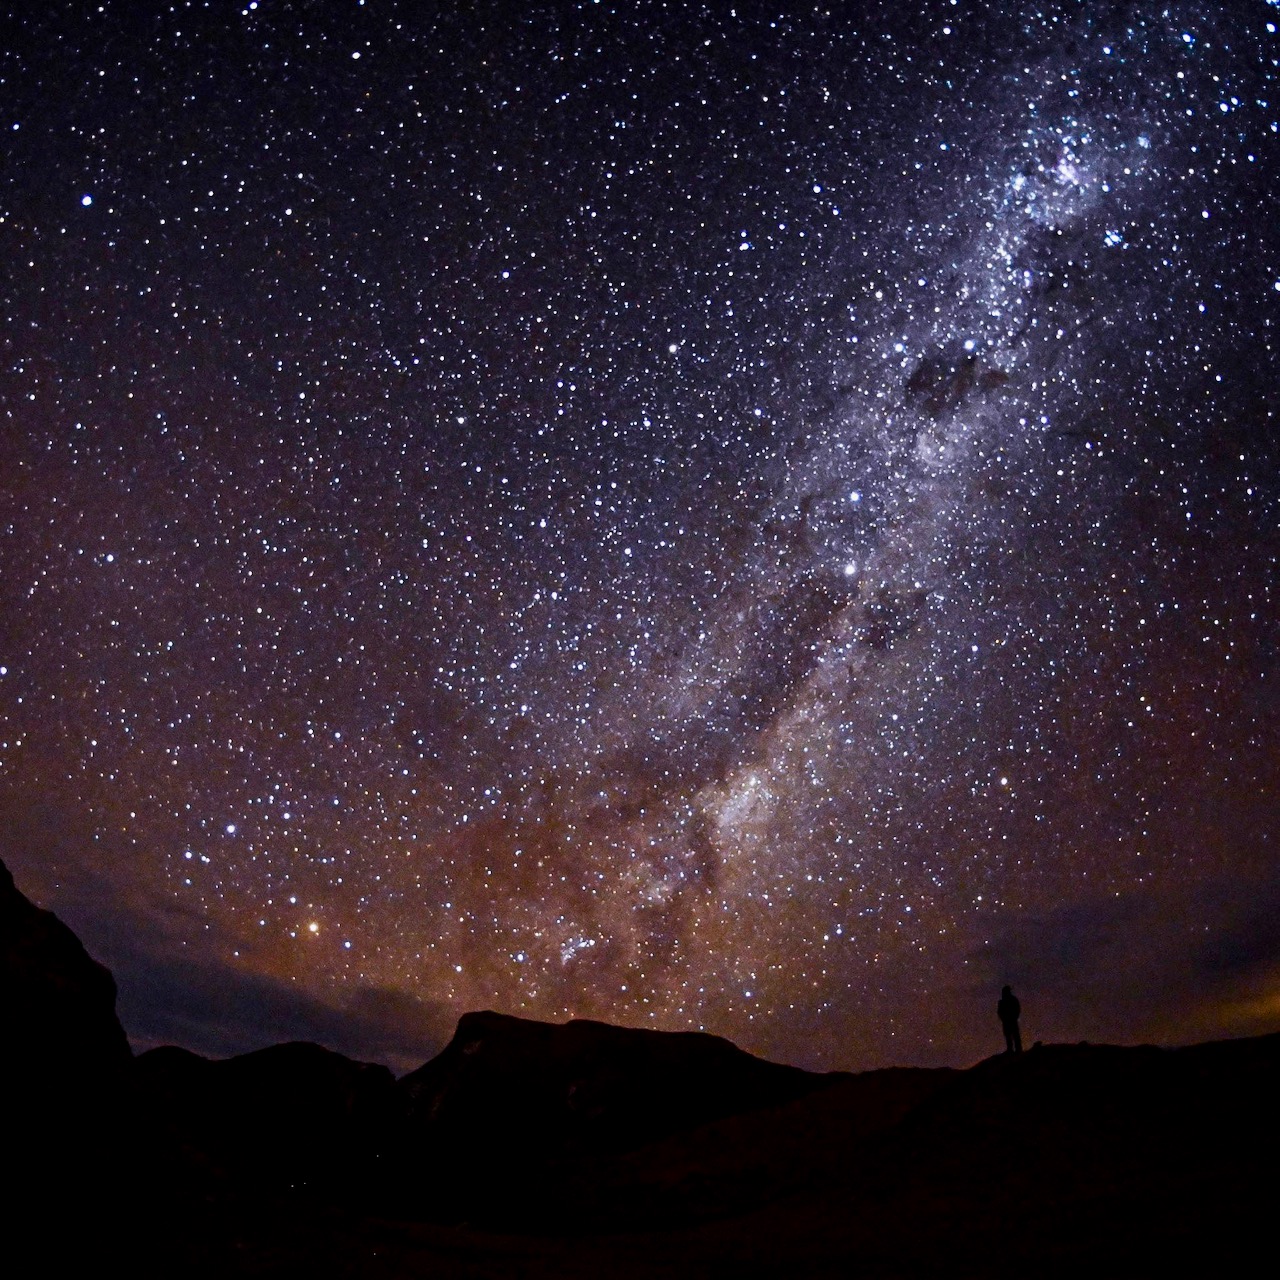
x=759, y=519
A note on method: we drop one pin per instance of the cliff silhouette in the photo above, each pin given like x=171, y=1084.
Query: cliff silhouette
x=533, y=1149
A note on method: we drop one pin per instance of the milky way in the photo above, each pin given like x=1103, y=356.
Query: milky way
x=754, y=519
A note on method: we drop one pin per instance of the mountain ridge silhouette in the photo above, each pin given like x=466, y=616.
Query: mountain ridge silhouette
x=547, y=1149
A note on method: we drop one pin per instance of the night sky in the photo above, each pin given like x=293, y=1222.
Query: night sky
x=759, y=519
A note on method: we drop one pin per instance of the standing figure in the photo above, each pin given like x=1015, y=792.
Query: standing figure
x=1007, y=1011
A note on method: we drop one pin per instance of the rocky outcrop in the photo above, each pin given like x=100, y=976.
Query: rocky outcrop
x=515, y=1088
x=71, y=1148
x=57, y=1004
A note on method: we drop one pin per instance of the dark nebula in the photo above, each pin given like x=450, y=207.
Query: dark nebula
x=755, y=519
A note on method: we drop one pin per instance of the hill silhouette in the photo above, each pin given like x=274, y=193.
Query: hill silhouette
x=534, y=1149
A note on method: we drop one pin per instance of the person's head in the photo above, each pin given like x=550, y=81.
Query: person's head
x=1006, y=991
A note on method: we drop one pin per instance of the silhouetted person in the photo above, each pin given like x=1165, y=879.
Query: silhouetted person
x=1008, y=1011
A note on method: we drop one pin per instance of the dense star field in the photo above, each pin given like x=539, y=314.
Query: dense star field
x=755, y=519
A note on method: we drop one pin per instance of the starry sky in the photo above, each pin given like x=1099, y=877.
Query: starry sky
x=758, y=518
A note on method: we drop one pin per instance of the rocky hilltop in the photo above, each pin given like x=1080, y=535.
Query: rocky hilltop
x=586, y=1087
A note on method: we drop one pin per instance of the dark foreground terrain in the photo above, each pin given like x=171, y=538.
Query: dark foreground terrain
x=526, y=1149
